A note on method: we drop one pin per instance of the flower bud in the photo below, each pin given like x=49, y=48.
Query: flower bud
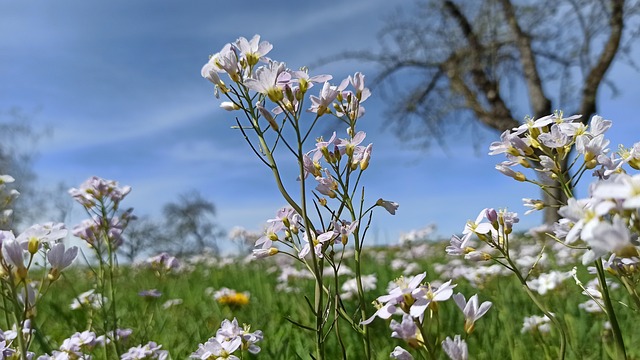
x=229, y=106
x=34, y=245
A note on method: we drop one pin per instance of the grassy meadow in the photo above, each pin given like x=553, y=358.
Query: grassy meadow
x=275, y=298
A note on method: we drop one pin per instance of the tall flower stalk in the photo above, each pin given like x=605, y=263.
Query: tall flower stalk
x=103, y=233
x=271, y=102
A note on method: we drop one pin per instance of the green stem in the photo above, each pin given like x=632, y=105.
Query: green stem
x=538, y=303
x=615, y=327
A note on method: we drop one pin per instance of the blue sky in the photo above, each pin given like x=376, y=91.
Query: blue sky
x=119, y=83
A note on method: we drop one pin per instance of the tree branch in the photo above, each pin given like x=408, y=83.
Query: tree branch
x=609, y=50
x=499, y=117
x=539, y=101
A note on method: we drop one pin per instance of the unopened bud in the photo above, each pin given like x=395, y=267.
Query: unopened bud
x=634, y=163
x=229, y=106
x=267, y=115
x=34, y=245
x=290, y=96
x=520, y=176
x=322, y=201
x=523, y=162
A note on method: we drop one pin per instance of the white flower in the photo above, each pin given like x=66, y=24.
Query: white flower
x=536, y=323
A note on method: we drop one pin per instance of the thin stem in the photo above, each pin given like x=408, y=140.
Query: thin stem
x=538, y=303
x=615, y=327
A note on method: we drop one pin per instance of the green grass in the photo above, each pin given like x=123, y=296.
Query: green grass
x=181, y=328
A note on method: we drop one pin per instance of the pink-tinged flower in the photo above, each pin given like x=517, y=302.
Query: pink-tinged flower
x=357, y=81
x=163, y=261
x=253, y=50
x=327, y=185
x=458, y=246
x=14, y=254
x=507, y=219
x=505, y=168
x=344, y=229
x=320, y=104
x=399, y=353
x=397, y=297
x=511, y=144
x=456, y=348
x=318, y=242
x=213, y=68
x=427, y=295
x=556, y=138
x=311, y=165
x=60, y=258
x=214, y=349
x=96, y=190
x=591, y=148
x=265, y=81
x=227, y=61
x=361, y=156
x=306, y=82
x=471, y=310
x=230, y=330
x=322, y=146
x=38, y=234
x=288, y=217
x=146, y=352
x=270, y=234
x=478, y=227
x=349, y=145
x=406, y=330
x=390, y=206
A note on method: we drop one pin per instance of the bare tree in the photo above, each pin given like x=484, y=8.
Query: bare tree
x=17, y=150
x=451, y=64
x=191, y=221
x=144, y=236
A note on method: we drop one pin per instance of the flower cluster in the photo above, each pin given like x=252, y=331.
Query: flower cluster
x=412, y=299
x=78, y=346
x=229, y=339
x=272, y=97
x=603, y=227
